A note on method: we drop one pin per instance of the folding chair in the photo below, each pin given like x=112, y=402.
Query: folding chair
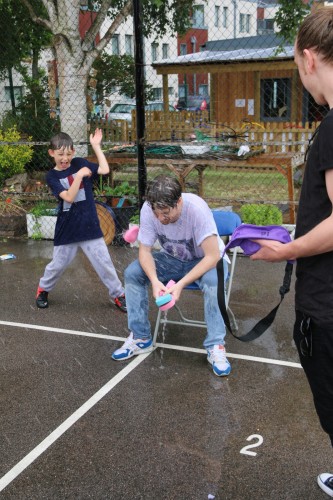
x=226, y=223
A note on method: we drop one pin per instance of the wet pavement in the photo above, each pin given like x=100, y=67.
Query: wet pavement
x=76, y=424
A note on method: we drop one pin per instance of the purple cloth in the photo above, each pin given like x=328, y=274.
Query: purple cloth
x=244, y=233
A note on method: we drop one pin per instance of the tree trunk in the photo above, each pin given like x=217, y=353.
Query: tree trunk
x=72, y=92
x=34, y=66
x=11, y=90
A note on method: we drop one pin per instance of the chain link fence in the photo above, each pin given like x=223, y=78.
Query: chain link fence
x=225, y=110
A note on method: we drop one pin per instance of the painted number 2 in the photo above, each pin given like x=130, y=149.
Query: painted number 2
x=246, y=449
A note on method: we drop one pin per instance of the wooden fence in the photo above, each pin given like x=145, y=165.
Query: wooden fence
x=184, y=126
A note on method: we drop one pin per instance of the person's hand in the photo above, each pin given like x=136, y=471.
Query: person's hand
x=270, y=251
x=96, y=138
x=85, y=172
x=157, y=288
x=175, y=290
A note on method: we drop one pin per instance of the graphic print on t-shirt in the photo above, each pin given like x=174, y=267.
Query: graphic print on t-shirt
x=180, y=249
x=81, y=195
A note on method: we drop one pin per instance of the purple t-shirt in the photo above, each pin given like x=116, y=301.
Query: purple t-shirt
x=181, y=239
x=77, y=221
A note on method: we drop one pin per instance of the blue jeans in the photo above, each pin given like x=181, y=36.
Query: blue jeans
x=167, y=267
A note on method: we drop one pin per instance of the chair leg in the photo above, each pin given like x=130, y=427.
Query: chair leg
x=231, y=275
x=233, y=322
x=157, y=326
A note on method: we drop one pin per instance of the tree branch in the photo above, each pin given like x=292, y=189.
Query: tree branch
x=94, y=29
x=39, y=20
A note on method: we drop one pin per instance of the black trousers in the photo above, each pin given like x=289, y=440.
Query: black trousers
x=315, y=348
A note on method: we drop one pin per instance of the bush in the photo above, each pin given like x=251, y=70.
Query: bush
x=13, y=158
x=261, y=215
x=35, y=121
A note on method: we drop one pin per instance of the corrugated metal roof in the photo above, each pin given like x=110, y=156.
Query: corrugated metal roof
x=245, y=42
x=208, y=56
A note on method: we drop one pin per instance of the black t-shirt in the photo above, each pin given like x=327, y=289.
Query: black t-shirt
x=314, y=283
x=77, y=221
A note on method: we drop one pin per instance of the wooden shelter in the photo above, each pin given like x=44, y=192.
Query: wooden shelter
x=251, y=78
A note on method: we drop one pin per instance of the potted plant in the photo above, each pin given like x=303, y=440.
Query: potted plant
x=261, y=214
x=122, y=195
x=41, y=221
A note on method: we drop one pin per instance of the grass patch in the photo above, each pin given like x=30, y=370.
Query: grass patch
x=224, y=184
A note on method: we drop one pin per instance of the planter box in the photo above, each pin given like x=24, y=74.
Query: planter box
x=43, y=226
x=13, y=225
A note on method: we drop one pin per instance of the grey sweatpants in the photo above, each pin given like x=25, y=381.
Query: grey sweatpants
x=99, y=257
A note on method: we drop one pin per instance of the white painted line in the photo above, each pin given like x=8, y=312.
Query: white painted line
x=49, y=440
x=165, y=346
x=61, y=330
x=236, y=356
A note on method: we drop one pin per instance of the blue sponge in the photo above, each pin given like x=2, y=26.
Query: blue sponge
x=163, y=299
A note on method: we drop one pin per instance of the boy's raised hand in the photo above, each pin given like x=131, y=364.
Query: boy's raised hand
x=96, y=138
x=85, y=172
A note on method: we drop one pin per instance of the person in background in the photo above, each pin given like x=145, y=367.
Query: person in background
x=313, y=244
x=190, y=249
x=77, y=226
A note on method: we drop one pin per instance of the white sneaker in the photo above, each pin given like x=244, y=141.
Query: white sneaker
x=132, y=347
x=325, y=482
x=217, y=357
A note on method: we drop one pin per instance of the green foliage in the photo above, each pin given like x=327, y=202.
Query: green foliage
x=261, y=215
x=289, y=16
x=117, y=71
x=123, y=189
x=161, y=15
x=43, y=208
x=135, y=219
x=13, y=158
x=34, y=120
x=19, y=38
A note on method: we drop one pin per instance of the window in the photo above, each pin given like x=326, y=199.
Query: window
x=157, y=93
x=265, y=26
x=154, y=51
x=198, y=16
x=115, y=45
x=217, y=16
x=244, y=23
x=165, y=51
x=183, y=49
x=18, y=93
x=225, y=17
x=275, y=99
x=182, y=91
x=203, y=90
x=129, y=45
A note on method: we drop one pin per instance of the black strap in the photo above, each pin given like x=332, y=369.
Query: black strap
x=264, y=323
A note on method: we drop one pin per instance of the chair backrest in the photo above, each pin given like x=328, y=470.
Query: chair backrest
x=226, y=222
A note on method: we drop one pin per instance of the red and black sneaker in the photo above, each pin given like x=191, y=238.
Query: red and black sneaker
x=42, y=298
x=120, y=302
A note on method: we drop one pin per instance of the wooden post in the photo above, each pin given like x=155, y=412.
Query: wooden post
x=291, y=193
x=165, y=94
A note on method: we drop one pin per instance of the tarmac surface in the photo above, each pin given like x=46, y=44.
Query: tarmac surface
x=74, y=424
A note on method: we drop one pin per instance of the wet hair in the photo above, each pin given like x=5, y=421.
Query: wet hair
x=61, y=141
x=163, y=191
x=316, y=32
